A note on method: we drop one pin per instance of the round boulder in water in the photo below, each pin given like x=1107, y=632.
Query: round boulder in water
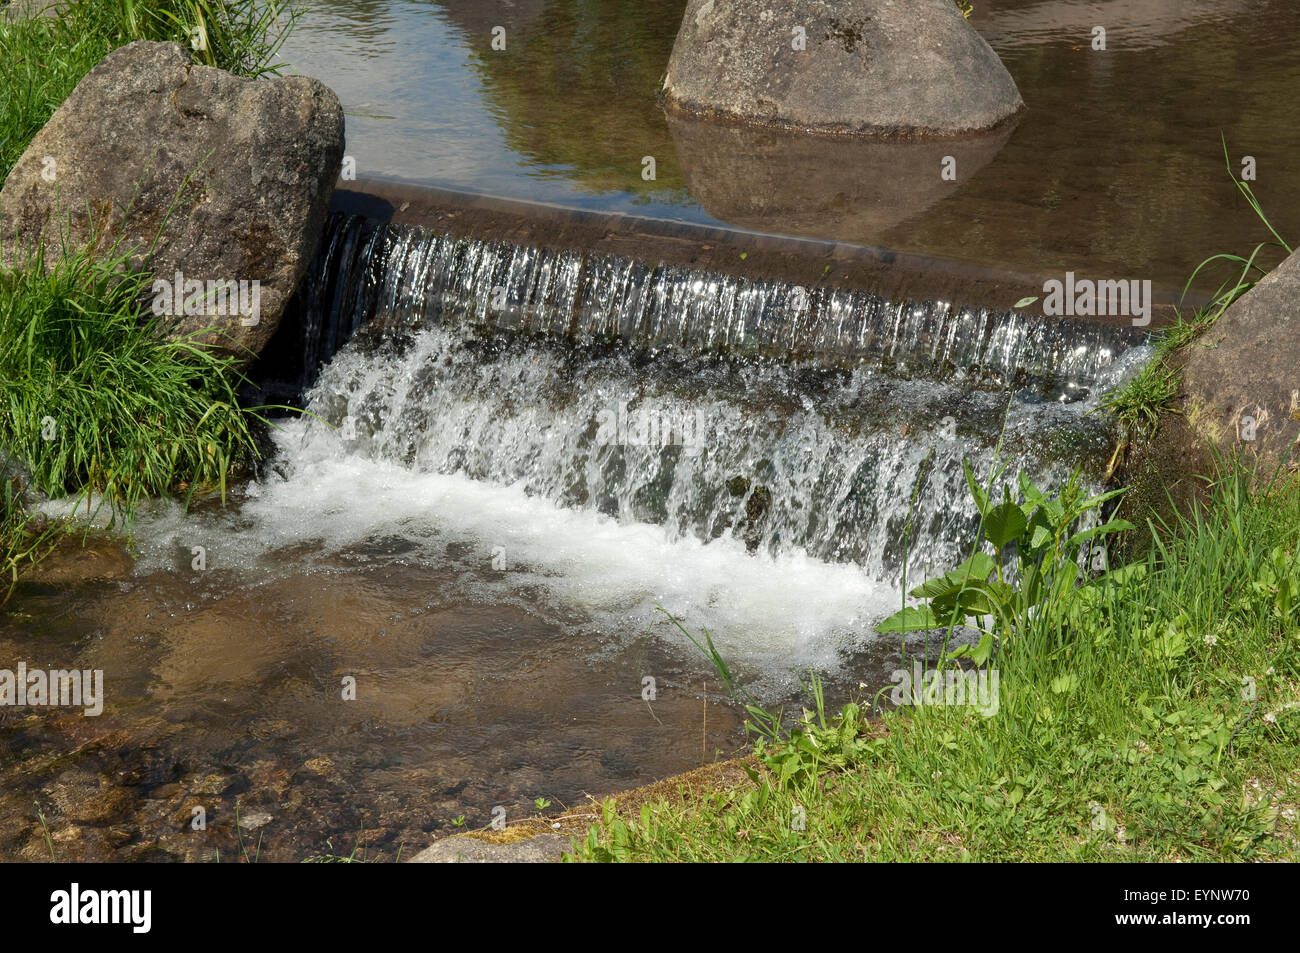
x=902, y=67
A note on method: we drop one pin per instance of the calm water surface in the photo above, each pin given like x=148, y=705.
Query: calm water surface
x=1116, y=168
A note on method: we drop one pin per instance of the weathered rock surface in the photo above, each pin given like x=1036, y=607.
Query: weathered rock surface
x=1241, y=380
x=912, y=67
x=461, y=849
x=1239, y=397
x=190, y=170
x=21, y=9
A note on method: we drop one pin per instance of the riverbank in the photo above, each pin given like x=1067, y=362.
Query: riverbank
x=1165, y=730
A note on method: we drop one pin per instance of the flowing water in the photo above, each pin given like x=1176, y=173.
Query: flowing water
x=1116, y=169
x=513, y=458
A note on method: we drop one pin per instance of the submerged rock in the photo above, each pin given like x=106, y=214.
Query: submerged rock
x=211, y=784
x=465, y=849
x=78, y=560
x=195, y=173
x=913, y=67
x=254, y=820
x=106, y=805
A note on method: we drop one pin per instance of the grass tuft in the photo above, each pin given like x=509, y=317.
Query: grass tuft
x=95, y=399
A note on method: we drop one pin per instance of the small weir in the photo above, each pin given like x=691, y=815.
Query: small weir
x=828, y=423
x=408, y=276
x=513, y=456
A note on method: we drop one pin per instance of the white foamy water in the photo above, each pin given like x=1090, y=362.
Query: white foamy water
x=790, y=610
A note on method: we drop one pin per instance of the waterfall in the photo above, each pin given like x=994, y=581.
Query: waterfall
x=818, y=421
x=409, y=277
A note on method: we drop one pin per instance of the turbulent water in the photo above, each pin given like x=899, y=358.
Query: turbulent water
x=819, y=422
x=762, y=460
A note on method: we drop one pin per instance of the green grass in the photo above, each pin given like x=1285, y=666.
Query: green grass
x=358, y=855
x=42, y=59
x=24, y=538
x=1137, y=406
x=1164, y=726
x=94, y=398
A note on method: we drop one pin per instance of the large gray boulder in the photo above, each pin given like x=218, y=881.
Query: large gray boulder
x=1241, y=379
x=909, y=67
x=192, y=171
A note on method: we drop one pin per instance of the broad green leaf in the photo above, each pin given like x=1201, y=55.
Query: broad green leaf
x=1030, y=492
x=972, y=600
x=1114, y=526
x=1055, y=510
x=980, y=566
x=938, y=587
x=911, y=619
x=977, y=569
x=1064, y=684
x=977, y=494
x=1004, y=523
x=1094, y=501
x=1134, y=572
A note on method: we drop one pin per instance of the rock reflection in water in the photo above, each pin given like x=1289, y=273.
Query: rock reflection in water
x=849, y=188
